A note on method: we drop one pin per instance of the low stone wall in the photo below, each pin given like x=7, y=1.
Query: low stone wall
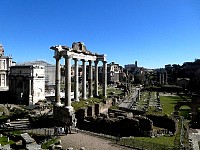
x=120, y=126
x=104, y=106
x=93, y=110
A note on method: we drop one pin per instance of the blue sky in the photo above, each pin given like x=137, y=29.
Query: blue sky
x=153, y=32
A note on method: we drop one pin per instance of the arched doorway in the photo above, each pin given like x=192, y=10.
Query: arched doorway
x=185, y=111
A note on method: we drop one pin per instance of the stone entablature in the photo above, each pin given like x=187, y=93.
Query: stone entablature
x=28, y=83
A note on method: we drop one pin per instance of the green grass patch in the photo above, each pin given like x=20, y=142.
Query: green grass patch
x=149, y=143
x=47, y=144
x=144, y=96
x=158, y=140
x=184, y=111
x=114, y=107
x=3, y=117
x=85, y=103
x=168, y=103
x=4, y=141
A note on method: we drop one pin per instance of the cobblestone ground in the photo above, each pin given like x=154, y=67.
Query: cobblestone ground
x=89, y=142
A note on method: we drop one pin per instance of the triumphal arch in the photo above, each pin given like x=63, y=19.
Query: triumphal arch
x=77, y=52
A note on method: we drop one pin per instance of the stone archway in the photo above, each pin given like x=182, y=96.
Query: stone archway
x=194, y=109
x=185, y=111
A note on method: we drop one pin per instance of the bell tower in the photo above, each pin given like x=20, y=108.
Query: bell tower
x=1, y=50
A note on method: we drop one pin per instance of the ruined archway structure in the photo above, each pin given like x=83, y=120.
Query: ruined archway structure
x=78, y=52
x=194, y=105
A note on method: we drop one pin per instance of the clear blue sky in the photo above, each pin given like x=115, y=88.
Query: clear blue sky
x=153, y=32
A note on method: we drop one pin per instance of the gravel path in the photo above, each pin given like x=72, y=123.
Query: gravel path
x=89, y=142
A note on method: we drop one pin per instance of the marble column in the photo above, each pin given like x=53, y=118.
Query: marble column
x=138, y=94
x=160, y=78
x=68, y=82
x=163, y=78
x=30, y=92
x=90, y=80
x=105, y=78
x=166, y=82
x=76, y=82
x=57, y=81
x=5, y=84
x=84, y=79
x=96, y=78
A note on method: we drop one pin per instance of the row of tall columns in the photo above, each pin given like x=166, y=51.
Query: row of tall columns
x=163, y=78
x=76, y=83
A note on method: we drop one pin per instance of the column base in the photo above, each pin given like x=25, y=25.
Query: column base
x=59, y=104
x=30, y=100
x=76, y=100
x=84, y=98
x=70, y=108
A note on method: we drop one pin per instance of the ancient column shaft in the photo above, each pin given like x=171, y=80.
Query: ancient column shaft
x=104, y=78
x=76, y=83
x=57, y=81
x=90, y=80
x=160, y=78
x=166, y=82
x=30, y=92
x=163, y=78
x=67, y=81
x=96, y=78
x=84, y=80
x=5, y=84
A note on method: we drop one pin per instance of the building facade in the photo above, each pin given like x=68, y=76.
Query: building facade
x=5, y=64
x=28, y=83
x=114, y=71
x=49, y=71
